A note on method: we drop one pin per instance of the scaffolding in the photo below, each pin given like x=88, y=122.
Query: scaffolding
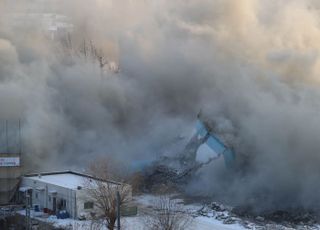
x=10, y=163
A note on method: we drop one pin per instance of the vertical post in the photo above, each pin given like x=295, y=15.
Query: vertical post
x=28, y=221
x=20, y=146
x=75, y=204
x=118, y=210
x=46, y=197
x=85, y=49
x=7, y=141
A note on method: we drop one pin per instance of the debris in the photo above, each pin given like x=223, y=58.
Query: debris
x=217, y=207
x=260, y=218
x=229, y=220
x=177, y=170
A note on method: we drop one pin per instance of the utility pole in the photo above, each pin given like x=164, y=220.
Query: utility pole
x=118, y=210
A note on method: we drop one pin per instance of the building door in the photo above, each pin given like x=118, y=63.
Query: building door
x=30, y=194
x=54, y=204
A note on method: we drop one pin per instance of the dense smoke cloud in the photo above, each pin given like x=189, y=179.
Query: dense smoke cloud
x=250, y=64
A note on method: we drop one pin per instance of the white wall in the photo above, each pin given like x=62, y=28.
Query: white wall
x=43, y=195
x=83, y=196
x=75, y=198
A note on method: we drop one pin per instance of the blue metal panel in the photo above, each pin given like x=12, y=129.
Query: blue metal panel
x=215, y=144
x=201, y=129
x=229, y=157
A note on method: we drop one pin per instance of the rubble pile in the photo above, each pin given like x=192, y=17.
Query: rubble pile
x=160, y=175
x=292, y=217
x=178, y=167
x=177, y=170
x=289, y=217
x=279, y=220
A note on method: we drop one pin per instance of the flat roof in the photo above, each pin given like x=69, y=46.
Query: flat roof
x=67, y=179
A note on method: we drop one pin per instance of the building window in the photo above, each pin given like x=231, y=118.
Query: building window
x=49, y=198
x=36, y=195
x=88, y=205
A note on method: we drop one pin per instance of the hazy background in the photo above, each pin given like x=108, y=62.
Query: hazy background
x=251, y=65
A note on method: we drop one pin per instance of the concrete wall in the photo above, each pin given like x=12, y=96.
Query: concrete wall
x=83, y=196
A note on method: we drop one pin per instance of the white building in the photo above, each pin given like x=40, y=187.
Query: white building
x=60, y=191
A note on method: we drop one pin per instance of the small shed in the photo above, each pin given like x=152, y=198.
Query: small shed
x=53, y=192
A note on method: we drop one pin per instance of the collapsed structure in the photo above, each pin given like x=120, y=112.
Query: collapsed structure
x=178, y=169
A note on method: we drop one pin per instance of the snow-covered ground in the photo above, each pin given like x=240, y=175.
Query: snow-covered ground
x=137, y=223
x=144, y=203
x=198, y=222
x=201, y=218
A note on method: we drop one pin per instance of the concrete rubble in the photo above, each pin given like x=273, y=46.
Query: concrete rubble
x=273, y=221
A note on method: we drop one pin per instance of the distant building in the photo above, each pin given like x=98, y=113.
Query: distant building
x=54, y=26
x=60, y=191
x=10, y=173
x=37, y=15
x=10, y=160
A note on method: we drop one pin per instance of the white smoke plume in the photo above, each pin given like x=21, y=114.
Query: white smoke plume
x=251, y=63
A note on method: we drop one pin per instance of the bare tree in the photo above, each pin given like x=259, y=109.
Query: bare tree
x=137, y=182
x=89, y=51
x=103, y=191
x=168, y=215
x=96, y=224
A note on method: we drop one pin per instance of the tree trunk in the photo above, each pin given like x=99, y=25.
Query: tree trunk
x=110, y=226
x=111, y=223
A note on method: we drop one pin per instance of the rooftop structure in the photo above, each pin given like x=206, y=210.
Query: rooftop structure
x=67, y=179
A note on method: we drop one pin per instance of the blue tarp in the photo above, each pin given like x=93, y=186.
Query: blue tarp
x=63, y=215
